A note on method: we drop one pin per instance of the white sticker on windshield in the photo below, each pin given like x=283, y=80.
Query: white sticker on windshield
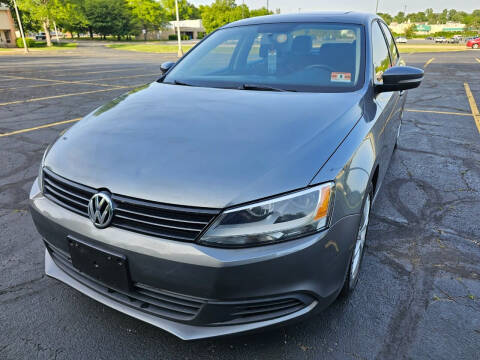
x=341, y=77
x=272, y=61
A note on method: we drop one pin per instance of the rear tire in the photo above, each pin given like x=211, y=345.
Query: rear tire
x=359, y=247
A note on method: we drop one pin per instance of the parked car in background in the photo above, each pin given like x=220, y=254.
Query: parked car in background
x=440, y=39
x=474, y=43
x=429, y=38
x=453, y=40
x=246, y=206
x=41, y=36
x=401, y=40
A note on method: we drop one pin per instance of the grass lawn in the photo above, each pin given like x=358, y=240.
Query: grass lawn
x=414, y=48
x=150, y=47
x=404, y=48
x=41, y=46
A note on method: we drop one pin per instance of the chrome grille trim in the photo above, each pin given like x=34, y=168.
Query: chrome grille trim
x=162, y=220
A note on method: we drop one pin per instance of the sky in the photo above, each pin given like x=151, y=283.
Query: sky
x=390, y=6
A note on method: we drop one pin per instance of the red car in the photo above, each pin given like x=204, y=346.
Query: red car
x=474, y=44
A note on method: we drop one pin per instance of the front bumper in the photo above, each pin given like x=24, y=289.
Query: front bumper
x=229, y=290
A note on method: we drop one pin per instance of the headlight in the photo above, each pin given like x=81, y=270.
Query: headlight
x=283, y=218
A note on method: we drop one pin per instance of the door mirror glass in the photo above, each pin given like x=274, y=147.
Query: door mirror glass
x=166, y=66
x=398, y=78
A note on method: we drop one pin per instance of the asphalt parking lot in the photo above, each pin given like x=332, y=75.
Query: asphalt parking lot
x=419, y=290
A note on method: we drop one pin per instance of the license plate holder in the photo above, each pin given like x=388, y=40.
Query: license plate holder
x=108, y=267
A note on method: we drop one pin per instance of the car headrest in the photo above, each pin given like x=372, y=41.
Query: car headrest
x=302, y=44
x=339, y=49
x=264, y=50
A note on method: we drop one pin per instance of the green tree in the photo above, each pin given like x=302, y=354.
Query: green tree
x=386, y=17
x=432, y=18
x=110, y=17
x=29, y=22
x=400, y=17
x=473, y=20
x=410, y=32
x=71, y=16
x=149, y=14
x=260, y=12
x=443, y=18
x=43, y=11
x=222, y=12
x=451, y=14
x=417, y=17
x=219, y=13
x=185, y=10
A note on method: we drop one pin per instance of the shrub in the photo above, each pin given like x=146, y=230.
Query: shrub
x=174, y=37
x=30, y=42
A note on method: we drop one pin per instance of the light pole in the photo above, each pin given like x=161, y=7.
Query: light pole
x=376, y=9
x=20, y=26
x=180, y=52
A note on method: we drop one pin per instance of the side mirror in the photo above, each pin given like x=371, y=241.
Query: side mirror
x=399, y=78
x=166, y=66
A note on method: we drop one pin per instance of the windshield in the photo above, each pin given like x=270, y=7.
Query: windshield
x=322, y=57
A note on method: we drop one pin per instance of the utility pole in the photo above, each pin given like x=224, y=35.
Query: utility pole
x=180, y=51
x=376, y=9
x=20, y=26
x=267, y=5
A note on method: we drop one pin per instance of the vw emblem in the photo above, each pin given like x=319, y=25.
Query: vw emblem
x=100, y=210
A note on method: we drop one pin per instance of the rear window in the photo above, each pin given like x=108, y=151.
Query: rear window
x=322, y=57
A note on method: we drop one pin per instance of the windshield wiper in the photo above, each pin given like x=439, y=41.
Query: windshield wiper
x=262, y=88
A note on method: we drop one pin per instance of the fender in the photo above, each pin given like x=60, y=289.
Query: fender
x=352, y=167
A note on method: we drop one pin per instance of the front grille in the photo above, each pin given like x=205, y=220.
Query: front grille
x=67, y=194
x=142, y=297
x=172, y=222
x=146, y=217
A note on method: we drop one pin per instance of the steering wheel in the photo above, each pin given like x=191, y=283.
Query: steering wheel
x=320, y=66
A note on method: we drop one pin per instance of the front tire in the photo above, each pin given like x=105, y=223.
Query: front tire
x=359, y=247
x=475, y=46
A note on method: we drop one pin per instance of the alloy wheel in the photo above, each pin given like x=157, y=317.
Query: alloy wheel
x=360, y=243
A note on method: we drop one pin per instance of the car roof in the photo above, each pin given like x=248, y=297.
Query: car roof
x=349, y=17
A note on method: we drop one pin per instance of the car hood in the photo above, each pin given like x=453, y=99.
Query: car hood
x=203, y=146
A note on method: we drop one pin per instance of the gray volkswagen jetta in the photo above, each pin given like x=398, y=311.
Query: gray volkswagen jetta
x=233, y=193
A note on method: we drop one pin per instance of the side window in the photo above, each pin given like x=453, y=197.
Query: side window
x=254, y=53
x=391, y=44
x=380, y=55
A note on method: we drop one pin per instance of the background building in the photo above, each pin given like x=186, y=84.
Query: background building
x=191, y=29
x=7, y=27
x=426, y=29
